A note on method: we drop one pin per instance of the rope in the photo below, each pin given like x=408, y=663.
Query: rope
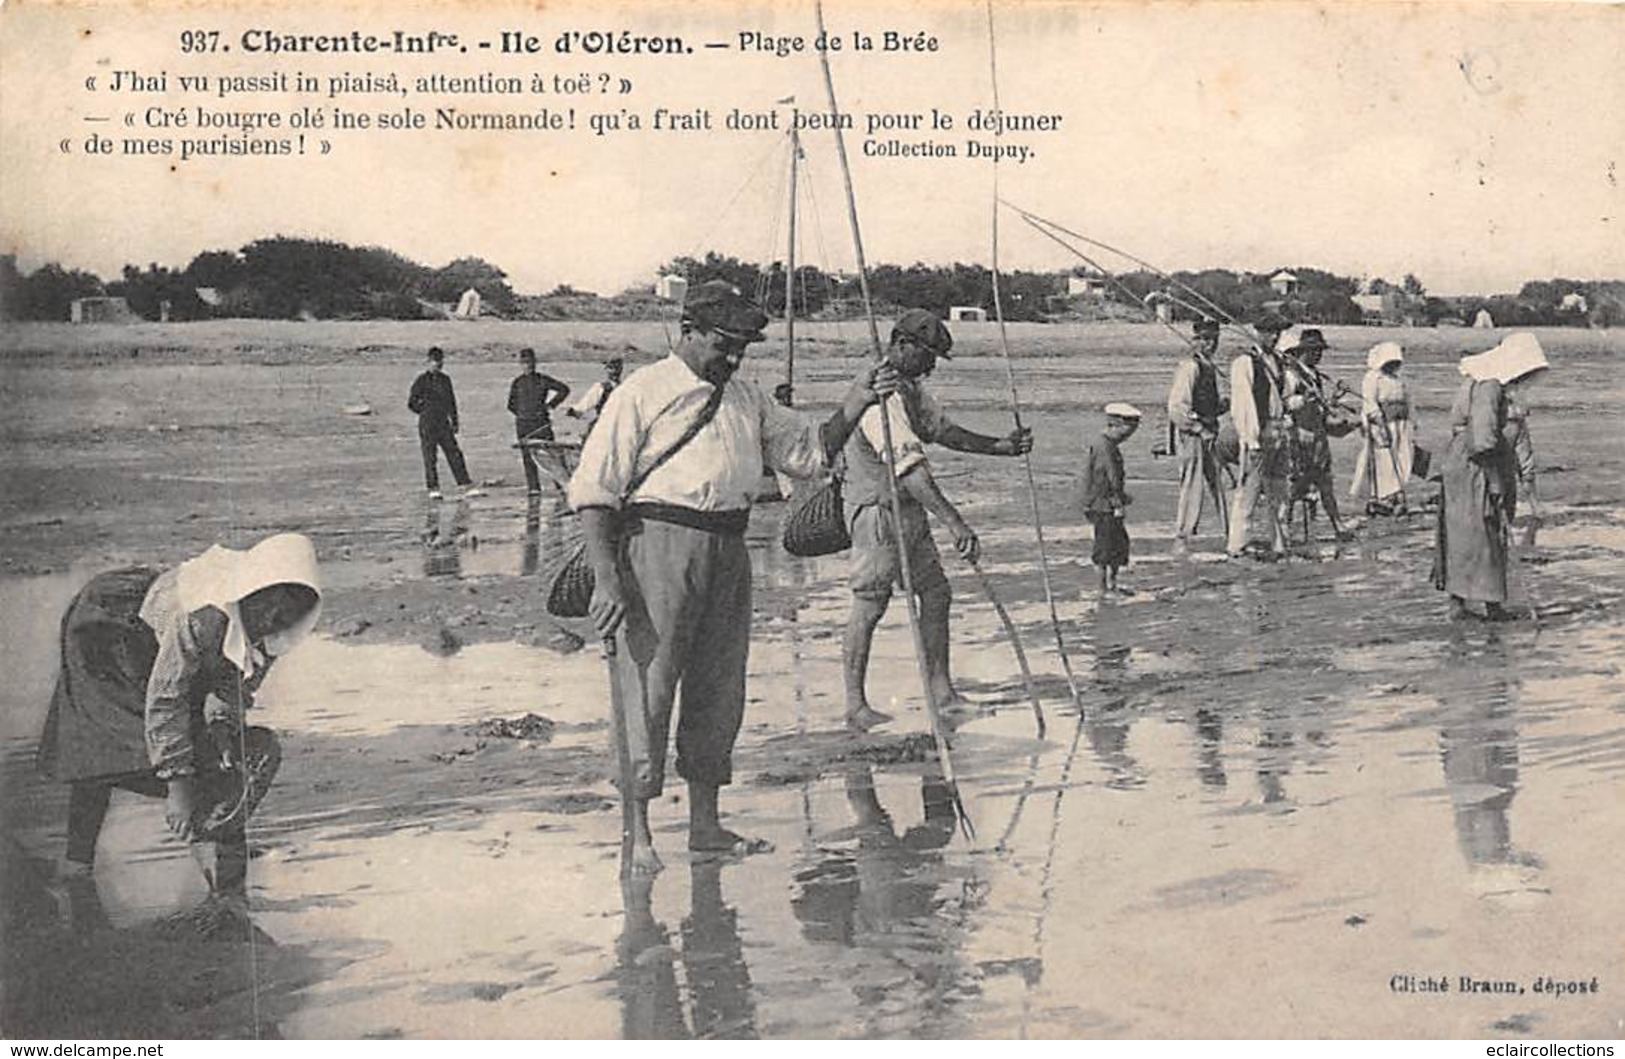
x=1214, y=307
x=1015, y=411
x=937, y=731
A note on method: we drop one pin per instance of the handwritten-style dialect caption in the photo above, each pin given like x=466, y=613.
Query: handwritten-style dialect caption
x=274, y=109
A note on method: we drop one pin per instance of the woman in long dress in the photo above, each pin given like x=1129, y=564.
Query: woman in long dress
x=1389, y=432
x=1489, y=454
x=157, y=669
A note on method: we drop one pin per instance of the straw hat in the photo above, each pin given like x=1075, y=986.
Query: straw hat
x=1123, y=410
x=1517, y=356
x=1384, y=353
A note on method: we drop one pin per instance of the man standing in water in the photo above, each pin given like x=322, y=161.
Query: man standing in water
x=917, y=340
x=1255, y=396
x=531, y=399
x=592, y=402
x=1311, y=422
x=1194, y=408
x=664, y=491
x=435, y=403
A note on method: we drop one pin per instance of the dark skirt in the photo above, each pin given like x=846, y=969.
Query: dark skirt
x=1111, y=540
x=96, y=726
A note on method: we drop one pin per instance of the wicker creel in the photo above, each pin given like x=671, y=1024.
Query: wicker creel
x=570, y=595
x=816, y=522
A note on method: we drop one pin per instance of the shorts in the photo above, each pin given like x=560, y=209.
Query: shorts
x=1111, y=540
x=875, y=566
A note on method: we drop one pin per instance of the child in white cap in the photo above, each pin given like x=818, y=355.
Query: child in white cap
x=1104, y=497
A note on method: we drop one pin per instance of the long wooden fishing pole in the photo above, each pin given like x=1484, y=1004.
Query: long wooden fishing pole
x=937, y=730
x=790, y=274
x=1034, y=223
x=1043, y=227
x=1015, y=405
x=1015, y=642
x=623, y=752
x=1148, y=266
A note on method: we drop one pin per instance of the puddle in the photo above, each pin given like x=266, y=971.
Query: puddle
x=1300, y=768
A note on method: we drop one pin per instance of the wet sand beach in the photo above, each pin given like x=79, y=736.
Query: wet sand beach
x=1297, y=798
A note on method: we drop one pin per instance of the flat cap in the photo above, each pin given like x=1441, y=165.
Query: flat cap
x=1311, y=339
x=923, y=327
x=715, y=306
x=1272, y=323
x=1122, y=410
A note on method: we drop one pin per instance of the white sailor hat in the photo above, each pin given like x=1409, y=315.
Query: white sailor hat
x=1122, y=410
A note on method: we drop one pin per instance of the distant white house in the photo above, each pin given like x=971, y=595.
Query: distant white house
x=1392, y=306
x=1284, y=283
x=1484, y=320
x=1086, y=286
x=1574, y=302
x=468, y=306
x=209, y=296
x=100, y=310
x=968, y=313
x=671, y=288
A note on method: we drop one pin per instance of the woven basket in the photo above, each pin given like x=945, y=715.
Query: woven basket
x=571, y=592
x=816, y=524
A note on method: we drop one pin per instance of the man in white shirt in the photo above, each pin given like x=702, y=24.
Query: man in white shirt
x=1256, y=407
x=1194, y=408
x=917, y=340
x=668, y=551
x=592, y=402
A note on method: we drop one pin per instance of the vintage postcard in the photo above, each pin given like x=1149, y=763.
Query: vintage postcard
x=812, y=519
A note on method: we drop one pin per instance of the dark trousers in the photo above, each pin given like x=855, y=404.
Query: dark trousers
x=435, y=439
x=532, y=430
x=222, y=808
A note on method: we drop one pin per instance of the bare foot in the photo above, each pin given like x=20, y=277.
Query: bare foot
x=642, y=862
x=721, y=840
x=956, y=710
x=865, y=718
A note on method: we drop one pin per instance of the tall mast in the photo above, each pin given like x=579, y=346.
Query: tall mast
x=790, y=272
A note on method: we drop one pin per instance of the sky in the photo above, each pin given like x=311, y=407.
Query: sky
x=1475, y=145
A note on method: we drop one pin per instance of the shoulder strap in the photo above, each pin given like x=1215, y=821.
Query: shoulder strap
x=705, y=416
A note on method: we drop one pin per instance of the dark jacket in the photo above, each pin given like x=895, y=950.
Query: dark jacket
x=434, y=401
x=1103, y=477
x=533, y=395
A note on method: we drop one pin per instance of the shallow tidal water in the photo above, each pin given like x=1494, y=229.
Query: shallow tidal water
x=1295, y=793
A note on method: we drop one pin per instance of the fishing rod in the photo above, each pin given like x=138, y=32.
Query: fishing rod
x=938, y=734
x=1035, y=223
x=1226, y=321
x=1015, y=642
x=1213, y=306
x=623, y=751
x=1015, y=414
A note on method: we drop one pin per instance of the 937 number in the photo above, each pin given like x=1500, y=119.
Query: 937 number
x=200, y=40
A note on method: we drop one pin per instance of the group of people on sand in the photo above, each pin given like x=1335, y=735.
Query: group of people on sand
x=1276, y=455
x=532, y=399
x=158, y=667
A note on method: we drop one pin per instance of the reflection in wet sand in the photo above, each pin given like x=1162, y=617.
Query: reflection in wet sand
x=883, y=896
x=646, y=973
x=444, y=538
x=1478, y=745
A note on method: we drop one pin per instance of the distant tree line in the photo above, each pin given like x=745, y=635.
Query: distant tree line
x=1025, y=295
x=287, y=278
x=276, y=278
